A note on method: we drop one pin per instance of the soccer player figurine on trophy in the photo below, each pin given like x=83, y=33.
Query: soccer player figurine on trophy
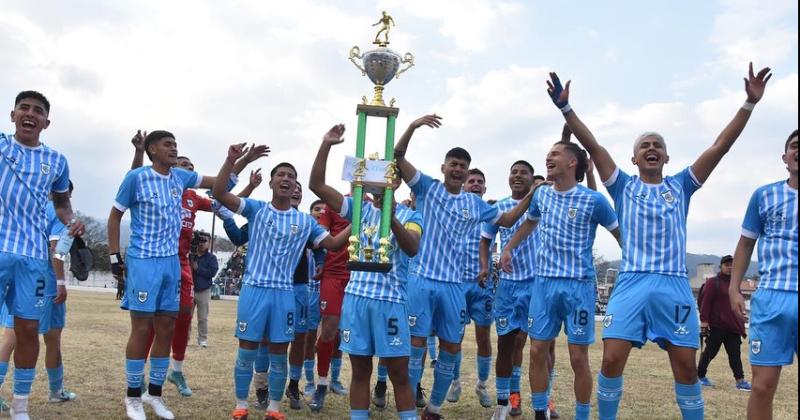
x=381, y=65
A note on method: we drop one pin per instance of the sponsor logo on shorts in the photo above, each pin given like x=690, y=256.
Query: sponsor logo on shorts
x=668, y=197
x=412, y=320
x=242, y=326
x=682, y=330
x=579, y=331
x=346, y=336
x=502, y=322
x=530, y=322
x=290, y=331
x=142, y=297
x=572, y=212
x=755, y=346
x=323, y=304
x=45, y=169
x=396, y=341
x=607, y=320
x=39, y=303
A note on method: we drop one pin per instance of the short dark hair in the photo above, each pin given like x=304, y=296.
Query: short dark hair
x=540, y=177
x=458, y=153
x=524, y=163
x=726, y=259
x=476, y=171
x=580, y=155
x=789, y=140
x=153, y=137
x=34, y=95
x=314, y=203
x=282, y=165
x=183, y=157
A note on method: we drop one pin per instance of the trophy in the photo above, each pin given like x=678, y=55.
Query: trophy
x=374, y=174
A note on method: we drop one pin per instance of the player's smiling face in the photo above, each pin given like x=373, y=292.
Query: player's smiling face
x=318, y=209
x=165, y=151
x=790, y=157
x=558, y=162
x=650, y=154
x=29, y=118
x=475, y=184
x=455, y=172
x=520, y=179
x=297, y=196
x=283, y=183
x=185, y=163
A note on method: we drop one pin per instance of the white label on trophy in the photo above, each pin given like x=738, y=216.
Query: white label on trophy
x=375, y=170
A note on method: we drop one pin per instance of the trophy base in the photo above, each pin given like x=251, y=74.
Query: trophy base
x=377, y=111
x=372, y=267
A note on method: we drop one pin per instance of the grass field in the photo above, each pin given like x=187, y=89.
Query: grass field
x=93, y=347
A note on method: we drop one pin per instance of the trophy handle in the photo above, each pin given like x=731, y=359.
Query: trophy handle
x=408, y=60
x=355, y=52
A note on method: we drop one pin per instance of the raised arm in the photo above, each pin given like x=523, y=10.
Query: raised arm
x=138, y=144
x=220, y=186
x=741, y=261
x=526, y=229
x=252, y=154
x=754, y=85
x=316, y=182
x=407, y=170
x=560, y=96
x=510, y=217
x=247, y=154
x=255, y=181
x=335, y=243
x=591, y=183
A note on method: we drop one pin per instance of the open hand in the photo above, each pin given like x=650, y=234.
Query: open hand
x=558, y=94
x=432, y=120
x=755, y=84
x=334, y=135
x=254, y=152
x=256, y=178
x=235, y=151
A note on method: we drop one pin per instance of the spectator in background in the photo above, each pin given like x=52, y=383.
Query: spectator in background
x=204, y=268
x=720, y=325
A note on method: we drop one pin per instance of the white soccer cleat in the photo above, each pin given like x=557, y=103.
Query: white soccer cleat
x=454, y=393
x=483, y=395
x=158, y=405
x=134, y=408
x=501, y=412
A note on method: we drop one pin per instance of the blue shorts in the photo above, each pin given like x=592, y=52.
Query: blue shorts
x=53, y=317
x=773, y=327
x=436, y=306
x=557, y=301
x=301, y=308
x=265, y=312
x=655, y=307
x=479, y=303
x=152, y=284
x=312, y=321
x=511, y=303
x=22, y=284
x=371, y=327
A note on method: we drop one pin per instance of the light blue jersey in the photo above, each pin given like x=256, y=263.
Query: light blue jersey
x=55, y=229
x=389, y=286
x=524, y=256
x=472, y=255
x=277, y=239
x=652, y=221
x=771, y=218
x=155, y=203
x=27, y=176
x=448, y=219
x=567, y=226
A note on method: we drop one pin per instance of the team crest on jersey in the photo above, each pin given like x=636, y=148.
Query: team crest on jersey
x=174, y=192
x=607, y=320
x=502, y=322
x=323, y=304
x=530, y=322
x=668, y=197
x=242, y=326
x=572, y=212
x=142, y=297
x=45, y=169
x=293, y=228
x=346, y=336
x=755, y=346
x=465, y=213
x=412, y=320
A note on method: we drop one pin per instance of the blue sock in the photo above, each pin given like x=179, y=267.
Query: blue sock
x=457, y=368
x=336, y=367
x=3, y=372
x=503, y=386
x=609, y=392
x=408, y=415
x=261, y=363
x=359, y=414
x=295, y=372
x=539, y=401
x=23, y=379
x=442, y=376
x=582, y=411
x=550, y=383
x=56, y=378
x=516, y=373
x=690, y=400
x=484, y=366
x=134, y=372
x=415, y=366
x=308, y=367
x=277, y=375
x=383, y=373
x=432, y=348
x=243, y=372
x=158, y=370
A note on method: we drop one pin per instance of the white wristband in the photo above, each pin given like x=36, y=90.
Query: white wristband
x=748, y=106
x=61, y=282
x=566, y=108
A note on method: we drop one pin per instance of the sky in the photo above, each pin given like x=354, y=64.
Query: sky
x=276, y=73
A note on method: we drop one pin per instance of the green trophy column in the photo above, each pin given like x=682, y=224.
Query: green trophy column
x=388, y=196
x=358, y=188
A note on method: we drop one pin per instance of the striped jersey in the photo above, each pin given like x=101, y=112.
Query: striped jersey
x=55, y=229
x=567, y=225
x=389, y=286
x=315, y=257
x=277, y=238
x=771, y=218
x=27, y=176
x=652, y=221
x=473, y=259
x=524, y=256
x=156, y=212
x=448, y=220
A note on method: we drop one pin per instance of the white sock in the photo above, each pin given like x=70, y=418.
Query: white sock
x=20, y=403
x=274, y=406
x=177, y=365
x=481, y=384
x=434, y=409
x=241, y=404
x=323, y=380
